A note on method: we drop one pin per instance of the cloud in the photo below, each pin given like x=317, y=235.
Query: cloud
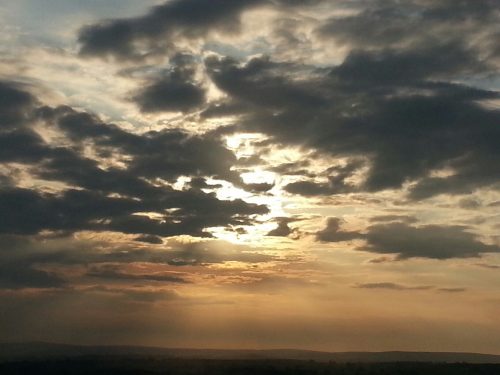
x=159, y=29
x=406, y=241
x=112, y=198
x=392, y=286
x=407, y=25
x=452, y=290
x=211, y=252
x=488, y=266
x=469, y=203
x=149, y=239
x=48, y=261
x=429, y=241
x=114, y=272
x=333, y=233
x=15, y=105
x=166, y=154
x=399, y=218
x=175, y=91
x=143, y=295
x=401, y=287
x=396, y=114
x=17, y=275
x=283, y=229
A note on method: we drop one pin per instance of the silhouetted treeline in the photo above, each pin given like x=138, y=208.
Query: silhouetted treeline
x=145, y=366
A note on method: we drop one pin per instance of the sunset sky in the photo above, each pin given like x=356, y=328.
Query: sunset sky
x=251, y=173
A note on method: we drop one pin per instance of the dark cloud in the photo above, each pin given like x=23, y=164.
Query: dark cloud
x=394, y=105
x=283, y=229
x=210, y=252
x=161, y=27
x=42, y=261
x=488, y=266
x=470, y=203
x=149, y=239
x=382, y=69
x=175, y=91
x=309, y=188
x=17, y=275
x=165, y=154
x=430, y=241
x=159, y=30
x=336, y=184
x=333, y=233
x=15, y=105
x=260, y=82
x=140, y=295
x=452, y=290
x=400, y=287
x=111, y=198
x=258, y=187
x=115, y=272
x=392, y=286
x=406, y=241
x=394, y=100
x=401, y=128
x=401, y=218
x=170, y=94
x=293, y=169
x=382, y=24
x=19, y=269
x=190, y=212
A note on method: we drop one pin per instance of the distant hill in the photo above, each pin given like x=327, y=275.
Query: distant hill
x=42, y=350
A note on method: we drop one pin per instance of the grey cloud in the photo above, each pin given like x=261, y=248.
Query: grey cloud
x=170, y=95
x=24, y=258
x=488, y=266
x=469, y=203
x=108, y=199
x=401, y=218
x=214, y=252
x=224, y=108
x=175, y=91
x=430, y=241
x=260, y=82
x=336, y=184
x=141, y=295
x=158, y=30
x=30, y=212
x=17, y=275
x=149, y=239
x=392, y=286
x=333, y=233
x=283, y=229
x=393, y=24
x=114, y=272
x=293, y=169
x=309, y=188
x=452, y=290
x=379, y=69
x=406, y=241
x=401, y=287
x=164, y=25
x=15, y=104
x=405, y=127
x=394, y=101
x=167, y=154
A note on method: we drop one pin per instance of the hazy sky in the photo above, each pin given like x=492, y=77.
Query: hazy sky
x=251, y=174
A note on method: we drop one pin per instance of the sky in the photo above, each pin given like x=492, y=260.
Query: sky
x=251, y=174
